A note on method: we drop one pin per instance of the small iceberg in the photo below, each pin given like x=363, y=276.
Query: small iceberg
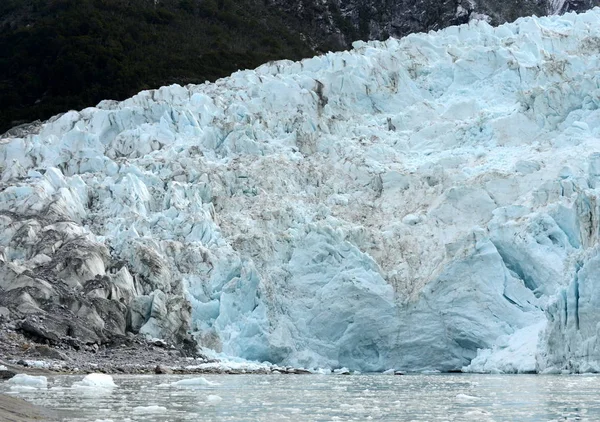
x=466, y=397
x=192, y=382
x=149, y=409
x=95, y=381
x=213, y=399
x=28, y=381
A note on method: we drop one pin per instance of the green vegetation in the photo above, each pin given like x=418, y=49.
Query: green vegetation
x=57, y=55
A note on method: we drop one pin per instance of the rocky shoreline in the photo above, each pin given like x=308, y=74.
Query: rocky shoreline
x=132, y=354
x=14, y=409
x=129, y=354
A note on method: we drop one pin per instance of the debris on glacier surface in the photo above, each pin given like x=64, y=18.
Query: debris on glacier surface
x=415, y=204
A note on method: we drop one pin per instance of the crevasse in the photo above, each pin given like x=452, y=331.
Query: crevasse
x=423, y=203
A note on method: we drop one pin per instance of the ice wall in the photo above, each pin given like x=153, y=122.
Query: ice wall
x=401, y=205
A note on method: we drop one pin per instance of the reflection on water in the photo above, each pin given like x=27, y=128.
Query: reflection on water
x=328, y=398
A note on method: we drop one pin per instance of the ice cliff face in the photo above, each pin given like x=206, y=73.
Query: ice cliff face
x=400, y=205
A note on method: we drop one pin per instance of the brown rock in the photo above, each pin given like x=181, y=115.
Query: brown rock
x=6, y=374
x=160, y=369
x=17, y=410
x=47, y=352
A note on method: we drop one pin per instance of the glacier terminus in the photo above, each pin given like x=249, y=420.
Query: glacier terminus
x=428, y=203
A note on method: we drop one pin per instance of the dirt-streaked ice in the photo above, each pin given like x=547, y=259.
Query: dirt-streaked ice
x=401, y=205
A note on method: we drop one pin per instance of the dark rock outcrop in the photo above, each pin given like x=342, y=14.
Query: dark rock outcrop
x=60, y=286
x=14, y=409
x=339, y=22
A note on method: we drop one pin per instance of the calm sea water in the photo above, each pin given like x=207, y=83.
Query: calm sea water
x=458, y=397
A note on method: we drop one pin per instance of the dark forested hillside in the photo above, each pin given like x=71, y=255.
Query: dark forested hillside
x=57, y=55
x=62, y=54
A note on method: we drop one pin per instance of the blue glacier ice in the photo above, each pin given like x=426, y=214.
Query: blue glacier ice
x=429, y=203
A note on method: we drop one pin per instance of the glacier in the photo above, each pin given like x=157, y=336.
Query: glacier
x=428, y=203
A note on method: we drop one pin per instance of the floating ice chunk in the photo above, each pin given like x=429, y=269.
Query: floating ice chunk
x=21, y=388
x=213, y=399
x=192, y=382
x=389, y=372
x=342, y=371
x=96, y=381
x=466, y=397
x=149, y=409
x=352, y=408
x=476, y=414
x=3, y=368
x=231, y=363
x=24, y=380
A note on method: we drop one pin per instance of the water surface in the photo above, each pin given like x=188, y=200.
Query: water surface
x=456, y=397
